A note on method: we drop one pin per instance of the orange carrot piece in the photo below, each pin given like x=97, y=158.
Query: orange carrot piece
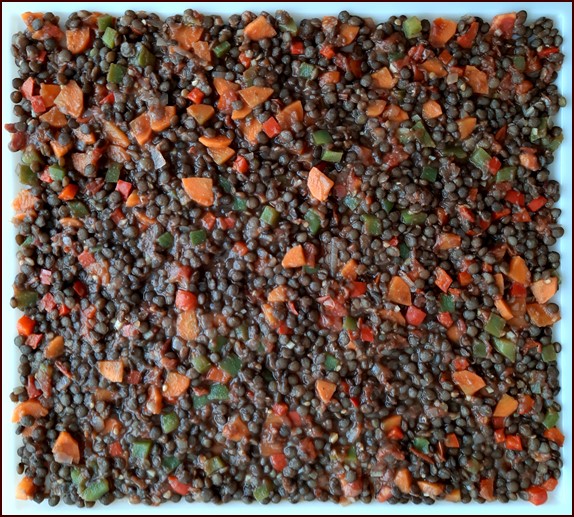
x=78, y=40
x=112, y=370
x=160, y=118
x=349, y=270
x=544, y=290
x=25, y=489
x=504, y=309
x=223, y=86
x=114, y=134
x=441, y=32
x=434, y=66
x=290, y=114
x=325, y=390
x=141, y=129
x=59, y=149
x=466, y=126
x=319, y=184
x=154, y=401
x=394, y=316
x=431, y=489
x=395, y=114
x=176, y=384
x=384, y=79
x=348, y=33
x=541, y=316
x=89, y=139
x=118, y=154
x=70, y=100
x=30, y=407
x=477, y=79
x=255, y=95
x=49, y=92
x=554, y=435
x=217, y=374
x=199, y=190
x=72, y=222
x=391, y=422
x=235, y=429
x=55, y=118
x=251, y=129
x=518, y=271
x=399, y=291
x=375, y=108
x=221, y=155
x=403, y=480
x=133, y=199
x=279, y=294
x=295, y=257
x=240, y=114
x=468, y=381
x=259, y=29
x=187, y=326
x=330, y=77
x=185, y=35
x=431, y=109
x=202, y=51
x=66, y=449
x=55, y=348
x=506, y=406
x=215, y=142
x=201, y=112
x=454, y=496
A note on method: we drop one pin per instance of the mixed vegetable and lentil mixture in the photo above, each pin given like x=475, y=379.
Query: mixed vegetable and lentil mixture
x=265, y=260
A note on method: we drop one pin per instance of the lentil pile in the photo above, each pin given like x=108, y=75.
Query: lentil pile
x=262, y=260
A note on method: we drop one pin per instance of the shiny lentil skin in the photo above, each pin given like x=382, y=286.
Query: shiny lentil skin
x=380, y=214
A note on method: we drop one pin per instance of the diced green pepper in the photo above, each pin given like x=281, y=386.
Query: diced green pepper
x=240, y=204
x=56, y=172
x=387, y=205
x=480, y=158
x=25, y=299
x=331, y=362
x=242, y=332
x=314, y=221
x=218, y=344
x=144, y=57
x=165, y=240
x=169, y=422
x=30, y=156
x=26, y=175
x=331, y=156
x=201, y=363
x=505, y=174
x=536, y=133
x=261, y=492
x=495, y=325
x=351, y=454
x=351, y=201
x=200, y=401
x=104, y=22
x=78, y=477
x=429, y=174
x=218, y=392
x=421, y=444
x=446, y=303
x=288, y=24
x=519, y=63
x=109, y=37
x=28, y=241
x=395, y=56
x=170, y=463
x=197, y=237
x=222, y=49
x=310, y=270
x=225, y=184
x=405, y=135
x=408, y=217
x=113, y=173
x=78, y=209
x=422, y=135
x=551, y=419
x=404, y=251
x=212, y=465
x=555, y=143
x=549, y=354
x=479, y=349
x=349, y=323
x=473, y=465
x=322, y=136
x=270, y=216
x=306, y=70
x=412, y=27
x=372, y=225
x=140, y=449
x=95, y=490
x=266, y=374
x=506, y=347
x=116, y=73
x=231, y=364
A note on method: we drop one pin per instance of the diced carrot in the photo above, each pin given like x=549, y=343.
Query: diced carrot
x=384, y=79
x=29, y=408
x=26, y=488
x=348, y=33
x=503, y=309
x=235, y=429
x=160, y=118
x=29, y=17
x=391, y=422
x=466, y=126
x=506, y=406
x=529, y=161
x=133, y=200
x=319, y=184
x=325, y=390
x=290, y=114
x=114, y=134
x=25, y=326
x=395, y=114
x=477, y=79
x=376, y=107
x=221, y=155
x=349, y=270
x=202, y=51
x=185, y=300
x=255, y=95
x=442, y=279
x=537, y=495
x=88, y=139
x=68, y=192
x=415, y=316
x=399, y=291
x=451, y=441
x=513, y=442
x=251, y=129
x=541, y=315
x=78, y=40
x=295, y=257
x=259, y=29
x=330, y=77
x=217, y=374
x=223, y=86
x=215, y=142
x=431, y=109
x=487, y=489
x=240, y=114
x=525, y=404
x=55, y=348
x=518, y=271
x=154, y=401
x=199, y=190
x=466, y=40
x=70, y=100
x=49, y=92
x=468, y=381
x=112, y=370
x=445, y=57
x=442, y=31
x=447, y=241
x=454, y=496
x=187, y=326
x=544, y=290
x=118, y=154
x=59, y=149
x=66, y=449
x=141, y=129
x=503, y=25
x=431, y=489
x=71, y=222
x=201, y=112
x=176, y=384
x=185, y=35
x=279, y=294
x=403, y=480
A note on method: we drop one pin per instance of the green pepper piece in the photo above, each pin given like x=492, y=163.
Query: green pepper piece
x=555, y=143
x=331, y=156
x=95, y=490
x=387, y=205
x=170, y=463
x=479, y=349
x=240, y=204
x=261, y=492
x=395, y=56
x=218, y=392
x=372, y=225
x=212, y=465
x=422, y=135
x=169, y=422
x=473, y=465
x=405, y=135
x=140, y=449
x=404, y=251
x=28, y=241
x=551, y=419
x=104, y=22
x=116, y=73
x=310, y=270
x=549, y=354
x=505, y=347
x=144, y=57
x=25, y=299
x=231, y=364
x=349, y=323
x=306, y=70
x=78, y=477
x=351, y=456
x=314, y=221
x=270, y=216
x=197, y=237
x=30, y=156
x=218, y=344
x=331, y=362
x=454, y=152
x=322, y=136
x=225, y=184
x=409, y=217
x=421, y=444
x=26, y=175
x=351, y=202
x=56, y=172
x=78, y=209
x=519, y=63
x=165, y=240
x=200, y=401
x=537, y=133
x=201, y=363
x=495, y=325
x=446, y=303
x=109, y=37
x=113, y=173
x=429, y=174
x=505, y=174
x=289, y=24
x=412, y=27
x=480, y=158
x=222, y=49
x=242, y=332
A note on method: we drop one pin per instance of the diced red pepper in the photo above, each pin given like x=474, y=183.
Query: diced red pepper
x=117, y=216
x=177, y=486
x=271, y=127
x=80, y=288
x=134, y=377
x=327, y=51
x=241, y=165
x=45, y=177
x=63, y=310
x=33, y=340
x=367, y=334
x=116, y=450
x=38, y=104
x=226, y=223
x=86, y=259
x=554, y=435
x=196, y=96
x=27, y=88
x=280, y=409
x=240, y=248
x=464, y=278
x=359, y=289
x=537, y=203
x=442, y=279
x=244, y=59
x=513, y=442
x=550, y=484
x=517, y=290
x=493, y=165
x=466, y=213
x=297, y=48
x=278, y=461
x=522, y=216
x=395, y=433
x=499, y=436
x=537, y=495
x=284, y=330
x=445, y=319
x=460, y=363
x=48, y=303
x=451, y=441
x=515, y=197
x=415, y=316
x=185, y=301
x=68, y=192
x=295, y=418
x=108, y=99
x=124, y=188
x=467, y=39
x=25, y=326
x=525, y=404
x=501, y=213
x=548, y=51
